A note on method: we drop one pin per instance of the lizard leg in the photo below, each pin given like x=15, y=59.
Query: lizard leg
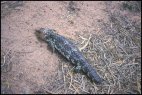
x=77, y=69
x=53, y=47
x=51, y=43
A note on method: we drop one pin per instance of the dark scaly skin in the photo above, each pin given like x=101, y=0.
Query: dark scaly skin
x=70, y=51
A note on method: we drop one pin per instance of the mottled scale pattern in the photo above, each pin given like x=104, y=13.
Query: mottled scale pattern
x=69, y=51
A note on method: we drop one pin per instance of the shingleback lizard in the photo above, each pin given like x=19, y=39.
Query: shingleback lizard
x=69, y=51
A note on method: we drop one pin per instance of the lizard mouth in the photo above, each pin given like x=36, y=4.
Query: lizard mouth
x=40, y=33
x=44, y=33
x=41, y=30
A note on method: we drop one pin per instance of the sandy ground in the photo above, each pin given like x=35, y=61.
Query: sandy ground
x=32, y=66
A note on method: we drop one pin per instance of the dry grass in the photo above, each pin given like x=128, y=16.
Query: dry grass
x=116, y=54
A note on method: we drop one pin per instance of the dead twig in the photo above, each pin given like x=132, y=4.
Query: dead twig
x=85, y=44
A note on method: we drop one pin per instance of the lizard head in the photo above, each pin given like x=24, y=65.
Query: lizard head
x=45, y=33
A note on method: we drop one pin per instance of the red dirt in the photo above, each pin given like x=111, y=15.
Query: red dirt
x=33, y=63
